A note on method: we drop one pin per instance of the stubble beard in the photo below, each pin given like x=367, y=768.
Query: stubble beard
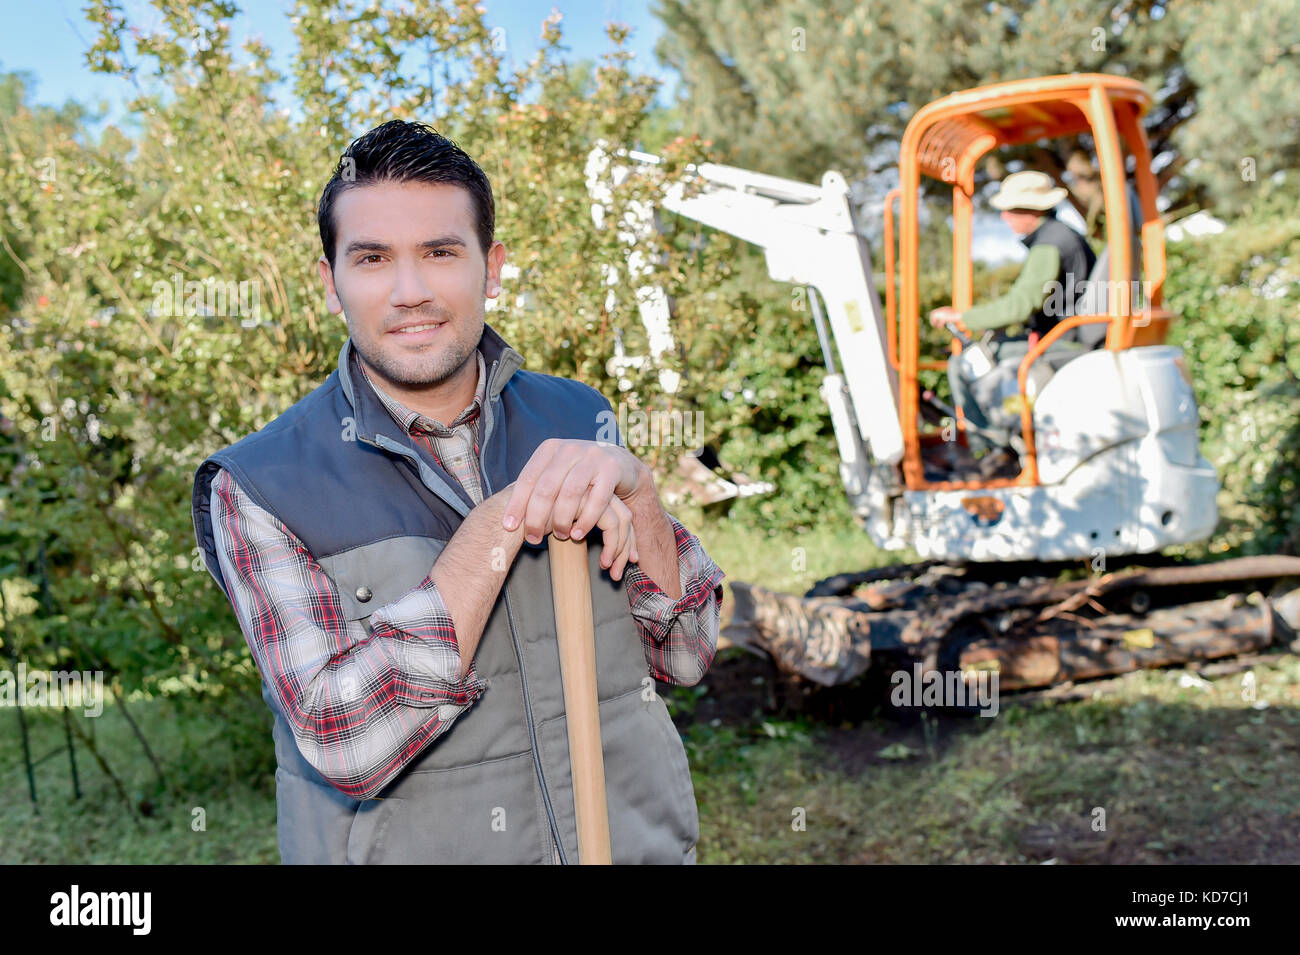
x=428, y=367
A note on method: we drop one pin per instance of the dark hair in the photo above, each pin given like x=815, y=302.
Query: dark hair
x=399, y=151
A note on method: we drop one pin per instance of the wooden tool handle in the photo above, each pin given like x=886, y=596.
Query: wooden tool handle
x=576, y=632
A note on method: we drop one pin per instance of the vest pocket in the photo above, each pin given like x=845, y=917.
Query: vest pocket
x=367, y=839
x=483, y=813
x=375, y=574
x=312, y=819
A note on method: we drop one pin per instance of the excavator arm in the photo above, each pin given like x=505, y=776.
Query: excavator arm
x=809, y=237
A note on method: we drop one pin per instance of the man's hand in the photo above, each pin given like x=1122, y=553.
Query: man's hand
x=568, y=487
x=944, y=315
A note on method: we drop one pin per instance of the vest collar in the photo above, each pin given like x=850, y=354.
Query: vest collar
x=500, y=360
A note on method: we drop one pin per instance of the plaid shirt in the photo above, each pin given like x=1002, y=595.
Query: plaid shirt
x=453, y=446
x=371, y=698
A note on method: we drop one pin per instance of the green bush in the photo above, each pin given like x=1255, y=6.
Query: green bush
x=1236, y=294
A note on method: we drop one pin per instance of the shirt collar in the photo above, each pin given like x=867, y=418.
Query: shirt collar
x=413, y=421
x=499, y=358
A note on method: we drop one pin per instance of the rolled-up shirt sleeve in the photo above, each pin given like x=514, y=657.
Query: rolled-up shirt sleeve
x=362, y=700
x=680, y=637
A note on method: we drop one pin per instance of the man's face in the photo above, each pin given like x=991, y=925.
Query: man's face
x=1021, y=221
x=407, y=255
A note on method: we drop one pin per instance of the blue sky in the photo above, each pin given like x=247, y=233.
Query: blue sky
x=48, y=38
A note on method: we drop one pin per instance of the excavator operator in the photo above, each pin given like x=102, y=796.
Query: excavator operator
x=1051, y=286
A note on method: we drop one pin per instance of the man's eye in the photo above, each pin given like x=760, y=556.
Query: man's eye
x=365, y=259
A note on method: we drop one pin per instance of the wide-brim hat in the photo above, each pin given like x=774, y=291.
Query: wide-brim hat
x=1028, y=190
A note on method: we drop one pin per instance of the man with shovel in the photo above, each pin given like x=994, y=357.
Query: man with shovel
x=382, y=544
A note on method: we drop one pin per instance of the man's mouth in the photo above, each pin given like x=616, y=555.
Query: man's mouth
x=423, y=328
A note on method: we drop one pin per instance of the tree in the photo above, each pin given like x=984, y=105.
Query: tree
x=169, y=302
x=1246, y=130
x=797, y=87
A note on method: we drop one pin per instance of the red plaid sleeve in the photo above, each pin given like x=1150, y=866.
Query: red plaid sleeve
x=679, y=637
x=362, y=700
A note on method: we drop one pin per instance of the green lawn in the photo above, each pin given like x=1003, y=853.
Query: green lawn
x=219, y=804
x=1184, y=773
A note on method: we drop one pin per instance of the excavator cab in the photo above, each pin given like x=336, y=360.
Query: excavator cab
x=1107, y=438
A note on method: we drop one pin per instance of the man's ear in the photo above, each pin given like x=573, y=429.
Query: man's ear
x=496, y=258
x=327, y=279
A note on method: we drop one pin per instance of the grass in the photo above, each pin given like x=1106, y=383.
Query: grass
x=1183, y=770
x=218, y=805
x=1182, y=775
x=788, y=562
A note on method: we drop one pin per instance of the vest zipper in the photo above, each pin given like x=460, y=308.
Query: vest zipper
x=459, y=505
x=532, y=733
x=514, y=639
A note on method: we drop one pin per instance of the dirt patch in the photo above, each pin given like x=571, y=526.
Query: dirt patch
x=1251, y=839
x=733, y=691
x=901, y=736
x=856, y=722
x=741, y=687
x=1072, y=841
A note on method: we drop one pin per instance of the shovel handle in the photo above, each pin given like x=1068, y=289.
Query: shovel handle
x=576, y=634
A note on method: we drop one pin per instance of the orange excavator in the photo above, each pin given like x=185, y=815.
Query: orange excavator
x=1108, y=465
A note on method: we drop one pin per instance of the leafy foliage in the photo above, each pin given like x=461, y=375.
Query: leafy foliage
x=1245, y=129
x=797, y=87
x=1237, y=295
x=115, y=387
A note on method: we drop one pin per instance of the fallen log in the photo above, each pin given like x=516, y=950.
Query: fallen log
x=1036, y=633
x=1121, y=643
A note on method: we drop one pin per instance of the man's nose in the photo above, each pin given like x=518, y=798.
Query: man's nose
x=410, y=288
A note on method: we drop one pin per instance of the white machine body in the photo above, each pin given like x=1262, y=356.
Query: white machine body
x=1120, y=472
